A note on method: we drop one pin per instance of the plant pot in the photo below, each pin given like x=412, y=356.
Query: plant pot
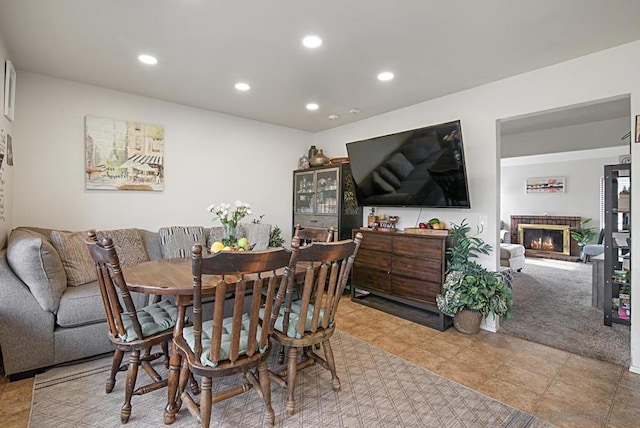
x=467, y=321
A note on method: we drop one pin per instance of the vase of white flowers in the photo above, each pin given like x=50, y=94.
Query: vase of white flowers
x=229, y=216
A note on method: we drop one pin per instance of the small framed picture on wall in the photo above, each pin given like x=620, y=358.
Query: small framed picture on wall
x=638, y=128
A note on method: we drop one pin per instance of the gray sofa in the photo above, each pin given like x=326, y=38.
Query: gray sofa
x=48, y=316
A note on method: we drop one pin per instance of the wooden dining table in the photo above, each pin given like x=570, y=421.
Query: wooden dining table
x=173, y=277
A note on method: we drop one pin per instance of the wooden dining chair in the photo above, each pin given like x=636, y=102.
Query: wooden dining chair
x=301, y=324
x=130, y=329
x=308, y=235
x=237, y=344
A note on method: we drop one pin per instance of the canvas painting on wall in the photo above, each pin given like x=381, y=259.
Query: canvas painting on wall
x=545, y=185
x=123, y=155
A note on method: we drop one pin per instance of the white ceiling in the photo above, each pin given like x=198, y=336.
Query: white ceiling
x=205, y=46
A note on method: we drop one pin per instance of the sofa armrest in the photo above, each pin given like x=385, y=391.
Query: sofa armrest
x=26, y=330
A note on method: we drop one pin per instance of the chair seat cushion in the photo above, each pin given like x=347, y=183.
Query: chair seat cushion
x=225, y=345
x=593, y=249
x=153, y=319
x=294, y=316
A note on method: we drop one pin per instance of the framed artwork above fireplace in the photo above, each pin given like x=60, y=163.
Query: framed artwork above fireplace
x=545, y=185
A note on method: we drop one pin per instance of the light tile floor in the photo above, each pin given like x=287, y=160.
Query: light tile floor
x=562, y=388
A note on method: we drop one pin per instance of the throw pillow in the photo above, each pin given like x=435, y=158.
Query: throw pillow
x=381, y=185
x=400, y=166
x=257, y=234
x=128, y=244
x=35, y=261
x=389, y=177
x=76, y=257
x=176, y=241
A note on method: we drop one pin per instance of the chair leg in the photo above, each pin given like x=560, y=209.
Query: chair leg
x=291, y=378
x=265, y=386
x=328, y=356
x=281, y=354
x=185, y=374
x=165, y=351
x=132, y=374
x=115, y=368
x=205, y=402
x=172, y=387
x=195, y=388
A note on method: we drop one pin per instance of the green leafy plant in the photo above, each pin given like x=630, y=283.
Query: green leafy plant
x=468, y=284
x=583, y=235
x=275, y=237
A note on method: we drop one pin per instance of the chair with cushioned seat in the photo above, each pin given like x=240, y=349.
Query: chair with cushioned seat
x=238, y=344
x=130, y=329
x=592, y=250
x=299, y=325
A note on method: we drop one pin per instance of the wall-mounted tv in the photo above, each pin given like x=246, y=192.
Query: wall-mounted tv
x=421, y=167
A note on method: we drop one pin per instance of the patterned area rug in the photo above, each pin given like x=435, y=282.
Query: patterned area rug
x=378, y=390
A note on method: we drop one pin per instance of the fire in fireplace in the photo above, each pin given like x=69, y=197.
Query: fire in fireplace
x=545, y=238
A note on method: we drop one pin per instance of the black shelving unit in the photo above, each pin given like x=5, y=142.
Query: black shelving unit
x=617, y=247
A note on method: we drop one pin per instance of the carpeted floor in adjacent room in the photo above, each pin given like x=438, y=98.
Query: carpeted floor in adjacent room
x=552, y=306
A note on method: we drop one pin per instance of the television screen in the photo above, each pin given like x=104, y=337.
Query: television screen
x=421, y=167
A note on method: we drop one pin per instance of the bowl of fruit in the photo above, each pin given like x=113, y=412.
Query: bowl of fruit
x=241, y=245
x=434, y=223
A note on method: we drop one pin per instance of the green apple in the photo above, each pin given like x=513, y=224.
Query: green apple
x=243, y=242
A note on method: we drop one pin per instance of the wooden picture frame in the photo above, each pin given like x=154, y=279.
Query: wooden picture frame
x=9, y=90
x=637, y=128
x=545, y=185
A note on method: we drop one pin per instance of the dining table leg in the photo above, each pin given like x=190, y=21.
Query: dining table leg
x=175, y=361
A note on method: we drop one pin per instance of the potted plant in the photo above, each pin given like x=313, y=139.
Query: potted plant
x=583, y=235
x=471, y=291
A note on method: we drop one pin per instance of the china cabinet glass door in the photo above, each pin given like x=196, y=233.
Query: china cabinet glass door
x=327, y=192
x=305, y=193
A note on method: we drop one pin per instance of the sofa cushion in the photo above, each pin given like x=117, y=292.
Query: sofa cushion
x=75, y=256
x=83, y=305
x=37, y=263
x=294, y=318
x=128, y=244
x=176, y=241
x=509, y=251
x=400, y=166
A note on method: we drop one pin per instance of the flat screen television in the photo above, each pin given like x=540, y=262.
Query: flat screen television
x=421, y=167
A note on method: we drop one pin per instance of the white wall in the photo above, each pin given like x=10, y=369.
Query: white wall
x=610, y=73
x=582, y=171
x=603, y=133
x=6, y=172
x=209, y=158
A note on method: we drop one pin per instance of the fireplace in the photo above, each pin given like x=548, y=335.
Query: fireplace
x=554, y=224
x=545, y=239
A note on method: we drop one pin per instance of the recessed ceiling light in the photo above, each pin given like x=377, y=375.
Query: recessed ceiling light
x=312, y=106
x=333, y=116
x=148, y=59
x=241, y=86
x=312, y=41
x=385, y=76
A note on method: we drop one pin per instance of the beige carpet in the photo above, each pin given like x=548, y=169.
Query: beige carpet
x=552, y=306
x=378, y=390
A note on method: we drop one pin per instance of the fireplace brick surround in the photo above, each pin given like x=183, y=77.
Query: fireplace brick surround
x=571, y=221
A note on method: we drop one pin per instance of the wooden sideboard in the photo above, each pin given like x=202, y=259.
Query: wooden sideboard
x=401, y=274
